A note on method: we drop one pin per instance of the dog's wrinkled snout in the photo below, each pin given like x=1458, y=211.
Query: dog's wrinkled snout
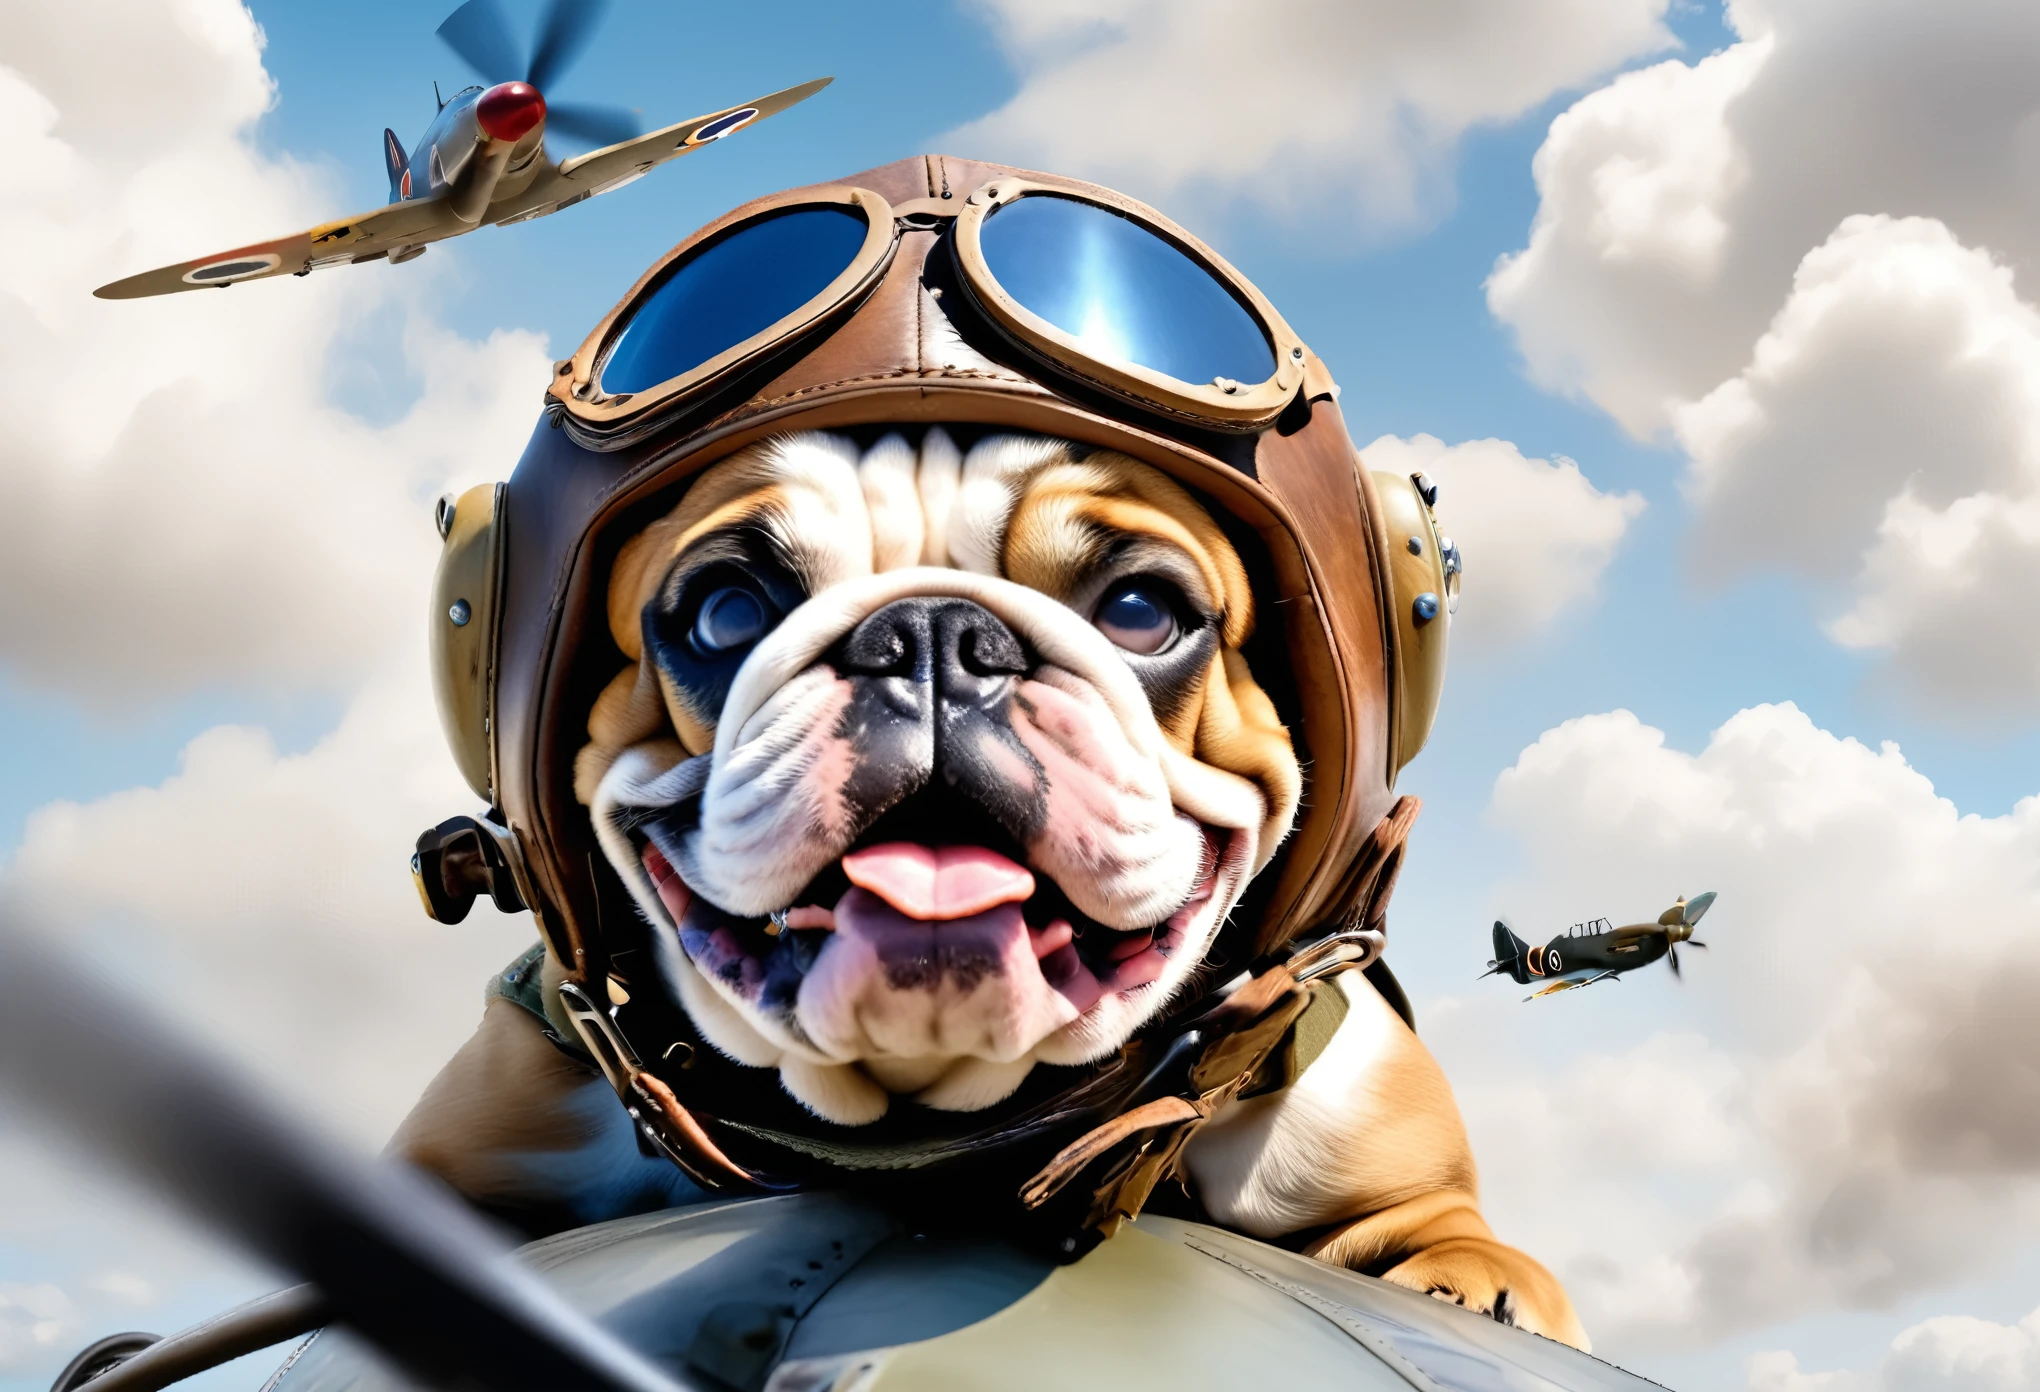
x=955, y=649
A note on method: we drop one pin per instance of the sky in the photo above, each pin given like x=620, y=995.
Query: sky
x=1717, y=325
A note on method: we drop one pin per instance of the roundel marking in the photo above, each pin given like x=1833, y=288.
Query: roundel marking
x=1552, y=961
x=723, y=125
x=233, y=268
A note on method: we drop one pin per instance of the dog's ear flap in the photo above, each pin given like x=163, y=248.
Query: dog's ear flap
x=1239, y=731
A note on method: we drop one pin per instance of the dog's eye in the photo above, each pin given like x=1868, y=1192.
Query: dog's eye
x=1138, y=616
x=731, y=617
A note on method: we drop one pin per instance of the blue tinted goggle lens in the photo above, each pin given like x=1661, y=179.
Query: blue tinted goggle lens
x=737, y=288
x=1124, y=293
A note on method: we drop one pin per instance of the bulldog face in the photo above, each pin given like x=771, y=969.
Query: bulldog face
x=930, y=767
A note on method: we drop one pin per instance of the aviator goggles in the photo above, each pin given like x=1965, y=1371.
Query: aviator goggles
x=1092, y=285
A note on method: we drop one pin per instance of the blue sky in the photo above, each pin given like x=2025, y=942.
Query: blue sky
x=1671, y=631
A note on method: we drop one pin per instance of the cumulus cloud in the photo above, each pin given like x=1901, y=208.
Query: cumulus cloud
x=1855, y=1122
x=1951, y=1353
x=1888, y=424
x=181, y=501
x=266, y=898
x=1340, y=108
x=1536, y=534
x=1677, y=201
x=1805, y=259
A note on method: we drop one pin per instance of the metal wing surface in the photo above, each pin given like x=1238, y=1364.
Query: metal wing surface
x=598, y=171
x=1557, y=986
x=361, y=237
x=814, y=1291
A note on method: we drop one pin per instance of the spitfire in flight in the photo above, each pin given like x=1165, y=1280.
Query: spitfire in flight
x=483, y=161
x=1597, y=950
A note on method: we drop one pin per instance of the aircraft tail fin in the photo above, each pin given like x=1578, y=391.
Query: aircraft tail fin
x=1511, y=954
x=399, y=165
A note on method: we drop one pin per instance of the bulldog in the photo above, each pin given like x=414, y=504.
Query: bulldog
x=930, y=766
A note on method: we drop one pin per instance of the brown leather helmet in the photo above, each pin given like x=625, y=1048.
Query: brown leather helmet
x=1350, y=570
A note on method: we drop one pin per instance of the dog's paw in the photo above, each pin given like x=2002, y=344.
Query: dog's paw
x=1497, y=1281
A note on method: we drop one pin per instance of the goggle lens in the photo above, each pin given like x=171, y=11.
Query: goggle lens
x=734, y=289
x=1124, y=293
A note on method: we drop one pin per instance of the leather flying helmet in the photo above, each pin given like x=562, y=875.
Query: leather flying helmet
x=934, y=291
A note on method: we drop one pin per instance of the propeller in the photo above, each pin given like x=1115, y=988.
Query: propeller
x=397, y=1258
x=1677, y=923
x=479, y=33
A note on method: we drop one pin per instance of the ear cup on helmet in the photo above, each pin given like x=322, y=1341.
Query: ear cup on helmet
x=462, y=630
x=1423, y=568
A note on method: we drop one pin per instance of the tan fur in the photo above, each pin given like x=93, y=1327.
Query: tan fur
x=502, y=1096
x=1239, y=731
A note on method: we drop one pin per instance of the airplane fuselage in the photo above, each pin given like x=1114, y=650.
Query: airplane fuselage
x=460, y=160
x=1587, y=954
x=1580, y=955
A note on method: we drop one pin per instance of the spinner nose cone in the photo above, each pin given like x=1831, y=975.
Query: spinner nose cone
x=509, y=111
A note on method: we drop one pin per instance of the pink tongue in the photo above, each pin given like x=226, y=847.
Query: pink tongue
x=938, y=883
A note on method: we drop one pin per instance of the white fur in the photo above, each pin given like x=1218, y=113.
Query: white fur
x=828, y=533
x=972, y=1083
x=940, y=476
x=898, y=521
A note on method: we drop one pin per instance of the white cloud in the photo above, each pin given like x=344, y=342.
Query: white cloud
x=1951, y=1353
x=181, y=502
x=1797, y=257
x=1888, y=424
x=1902, y=363
x=1677, y=200
x=1324, y=106
x=1535, y=533
x=35, y=1317
x=1854, y=1118
x=267, y=899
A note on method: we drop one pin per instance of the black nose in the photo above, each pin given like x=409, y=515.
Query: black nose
x=957, y=647
x=933, y=685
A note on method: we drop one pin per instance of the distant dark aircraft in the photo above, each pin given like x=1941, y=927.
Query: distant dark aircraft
x=1596, y=950
x=483, y=161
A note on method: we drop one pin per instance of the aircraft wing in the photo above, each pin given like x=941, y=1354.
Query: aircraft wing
x=1572, y=985
x=599, y=171
x=362, y=237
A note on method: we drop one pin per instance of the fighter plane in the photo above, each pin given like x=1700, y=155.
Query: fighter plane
x=482, y=162
x=1597, y=950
